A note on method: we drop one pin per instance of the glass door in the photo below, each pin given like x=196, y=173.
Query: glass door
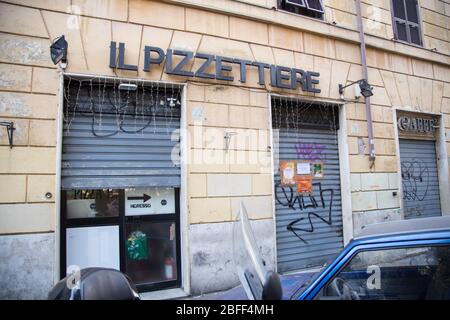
x=135, y=230
x=151, y=237
x=90, y=229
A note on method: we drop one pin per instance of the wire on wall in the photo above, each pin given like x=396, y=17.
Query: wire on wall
x=133, y=110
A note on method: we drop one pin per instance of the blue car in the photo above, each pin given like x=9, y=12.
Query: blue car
x=406, y=260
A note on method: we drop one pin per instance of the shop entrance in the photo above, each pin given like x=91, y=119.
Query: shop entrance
x=420, y=180
x=307, y=183
x=419, y=164
x=120, y=179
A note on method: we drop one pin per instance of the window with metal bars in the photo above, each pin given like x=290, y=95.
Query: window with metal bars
x=405, y=17
x=309, y=8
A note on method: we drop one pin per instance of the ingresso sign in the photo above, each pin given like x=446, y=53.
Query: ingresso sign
x=280, y=77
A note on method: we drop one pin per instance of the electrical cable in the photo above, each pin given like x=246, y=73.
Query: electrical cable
x=86, y=105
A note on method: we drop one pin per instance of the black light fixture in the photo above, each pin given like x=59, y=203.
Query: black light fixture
x=364, y=86
x=58, y=50
x=366, y=89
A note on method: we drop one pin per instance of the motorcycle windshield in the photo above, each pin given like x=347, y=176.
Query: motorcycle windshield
x=247, y=257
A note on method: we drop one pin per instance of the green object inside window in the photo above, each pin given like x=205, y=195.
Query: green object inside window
x=137, y=246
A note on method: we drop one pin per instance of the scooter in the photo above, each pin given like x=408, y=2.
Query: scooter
x=258, y=282
x=95, y=284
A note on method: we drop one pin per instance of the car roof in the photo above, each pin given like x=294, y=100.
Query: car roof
x=418, y=225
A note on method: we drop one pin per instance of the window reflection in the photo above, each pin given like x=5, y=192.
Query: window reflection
x=92, y=203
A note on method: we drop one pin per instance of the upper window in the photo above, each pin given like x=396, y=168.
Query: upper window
x=310, y=8
x=406, y=21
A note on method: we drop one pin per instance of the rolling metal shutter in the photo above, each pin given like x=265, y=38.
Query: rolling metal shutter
x=420, y=180
x=97, y=155
x=318, y=235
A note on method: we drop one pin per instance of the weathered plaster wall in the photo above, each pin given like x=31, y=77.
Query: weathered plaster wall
x=211, y=254
x=26, y=266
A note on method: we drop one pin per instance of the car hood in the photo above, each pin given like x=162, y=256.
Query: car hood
x=291, y=284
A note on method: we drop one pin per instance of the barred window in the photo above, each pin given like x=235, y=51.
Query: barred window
x=309, y=8
x=405, y=17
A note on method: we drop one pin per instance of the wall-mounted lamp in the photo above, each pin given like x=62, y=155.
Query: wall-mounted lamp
x=58, y=51
x=364, y=88
x=10, y=129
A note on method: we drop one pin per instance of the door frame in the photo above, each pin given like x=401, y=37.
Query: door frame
x=344, y=166
x=120, y=221
x=155, y=218
x=183, y=229
x=441, y=156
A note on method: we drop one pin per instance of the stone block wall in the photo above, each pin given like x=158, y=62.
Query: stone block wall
x=219, y=175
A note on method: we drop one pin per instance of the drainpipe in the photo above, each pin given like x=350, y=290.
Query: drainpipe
x=365, y=76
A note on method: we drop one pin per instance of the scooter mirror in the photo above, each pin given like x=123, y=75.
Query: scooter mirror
x=272, y=289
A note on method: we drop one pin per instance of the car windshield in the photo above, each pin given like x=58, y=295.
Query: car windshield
x=408, y=273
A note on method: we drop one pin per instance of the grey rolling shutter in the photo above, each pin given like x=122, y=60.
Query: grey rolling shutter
x=420, y=180
x=317, y=237
x=107, y=150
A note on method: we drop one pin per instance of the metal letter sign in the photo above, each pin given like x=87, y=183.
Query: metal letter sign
x=416, y=125
x=280, y=77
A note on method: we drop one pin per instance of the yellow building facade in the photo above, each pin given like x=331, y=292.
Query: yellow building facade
x=229, y=130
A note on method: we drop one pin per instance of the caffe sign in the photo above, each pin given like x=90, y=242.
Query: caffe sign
x=416, y=125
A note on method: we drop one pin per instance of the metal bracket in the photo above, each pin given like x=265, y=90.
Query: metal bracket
x=10, y=129
x=342, y=87
x=227, y=138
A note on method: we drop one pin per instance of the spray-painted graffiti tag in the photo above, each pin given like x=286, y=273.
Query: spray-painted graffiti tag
x=415, y=182
x=285, y=196
x=310, y=151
